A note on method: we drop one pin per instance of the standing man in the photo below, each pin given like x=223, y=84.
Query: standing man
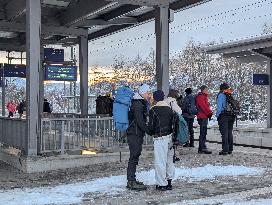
x=136, y=132
x=204, y=113
x=225, y=119
x=189, y=111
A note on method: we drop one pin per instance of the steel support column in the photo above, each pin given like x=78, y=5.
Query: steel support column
x=162, y=47
x=83, y=69
x=269, y=95
x=33, y=34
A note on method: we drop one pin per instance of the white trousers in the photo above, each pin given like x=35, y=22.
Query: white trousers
x=163, y=159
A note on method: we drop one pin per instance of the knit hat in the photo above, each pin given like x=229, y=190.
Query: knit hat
x=158, y=95
x=224, y=86
x=188, y=91
x=144, y=88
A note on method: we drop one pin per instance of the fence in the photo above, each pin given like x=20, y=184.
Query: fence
x=61, y=134
x=14, y=133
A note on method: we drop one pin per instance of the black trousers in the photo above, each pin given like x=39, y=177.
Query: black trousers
x=203, y=123
x=225, y=122
x=190, y=123
x=10, y=114
x=135, y=143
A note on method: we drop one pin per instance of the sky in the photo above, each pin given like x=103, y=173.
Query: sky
x=217, y=20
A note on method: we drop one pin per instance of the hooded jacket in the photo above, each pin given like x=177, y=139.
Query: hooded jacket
x=172, y=102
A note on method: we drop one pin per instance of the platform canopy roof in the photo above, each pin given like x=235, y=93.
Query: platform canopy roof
x=256, y=49
x=64, y=20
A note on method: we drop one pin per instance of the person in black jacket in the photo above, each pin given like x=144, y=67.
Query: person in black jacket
x=189, y=112
x=136, y=132
x=160, y=124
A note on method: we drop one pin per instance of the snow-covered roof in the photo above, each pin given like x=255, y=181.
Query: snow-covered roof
x=251, y=49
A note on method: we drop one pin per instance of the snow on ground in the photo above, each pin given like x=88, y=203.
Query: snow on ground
x=240, y=198
x=72, y=193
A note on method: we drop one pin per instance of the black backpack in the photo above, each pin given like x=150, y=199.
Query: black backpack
x=188, y=106
x=104, y=105
x=233, y=106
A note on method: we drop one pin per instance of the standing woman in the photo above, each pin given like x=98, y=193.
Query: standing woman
x=11, y=108
x=225, y=119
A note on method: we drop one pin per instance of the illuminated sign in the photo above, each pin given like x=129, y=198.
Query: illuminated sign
x=14, y=70
x=54, y=55
x=60, y=73
x=260, y=79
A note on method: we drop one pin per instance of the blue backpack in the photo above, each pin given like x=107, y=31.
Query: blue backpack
x=121, y=107
x=181, y=135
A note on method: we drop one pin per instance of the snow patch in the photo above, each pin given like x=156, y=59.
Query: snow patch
x=73, y=193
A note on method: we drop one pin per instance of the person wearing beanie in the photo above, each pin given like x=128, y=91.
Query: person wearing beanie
x=189, y=111
x=135, y=134
x=204, y=113
x=160, y=125
x=225, y=119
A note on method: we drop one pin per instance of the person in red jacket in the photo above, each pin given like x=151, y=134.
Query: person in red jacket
x=204, y=113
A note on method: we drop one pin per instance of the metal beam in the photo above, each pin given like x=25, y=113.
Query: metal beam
x=141, y=19
x=143, y=3
x=33, y=32
x=46, y=30
x=269, y=95
x=11, y=47
x=15, y=9
x=162, y=48
x=101, y=22
x=107, y=31
x=83, y=68
x=84, y=9
x=178, y=5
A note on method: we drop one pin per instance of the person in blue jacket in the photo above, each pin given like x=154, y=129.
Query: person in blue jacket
x=225, y=120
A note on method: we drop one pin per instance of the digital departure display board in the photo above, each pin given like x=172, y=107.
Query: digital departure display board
x=54, y=55
x=60, y=73
x=14, y=70
x=260, y=79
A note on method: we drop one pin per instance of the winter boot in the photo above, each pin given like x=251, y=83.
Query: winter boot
x=161, y=188
x=134, y=185
x=169, y=185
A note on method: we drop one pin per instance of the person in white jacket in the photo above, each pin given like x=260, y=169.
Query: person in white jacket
x=171, y=100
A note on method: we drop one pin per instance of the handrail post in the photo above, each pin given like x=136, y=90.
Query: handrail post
x=62, y=138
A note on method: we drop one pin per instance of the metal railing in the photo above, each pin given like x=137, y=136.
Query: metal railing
x=62, y=134
x=13, y=133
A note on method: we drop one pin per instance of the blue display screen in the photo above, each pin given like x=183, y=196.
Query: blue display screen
x=14, y=70
x=61, y=73
x=54, y=55
x=260, y=79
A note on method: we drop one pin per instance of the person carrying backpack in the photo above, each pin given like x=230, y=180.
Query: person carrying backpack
x=135, y=133
x=160, y=124
x=204, y=113
x=172, y=101
x=225, y=116
x=189, y=111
